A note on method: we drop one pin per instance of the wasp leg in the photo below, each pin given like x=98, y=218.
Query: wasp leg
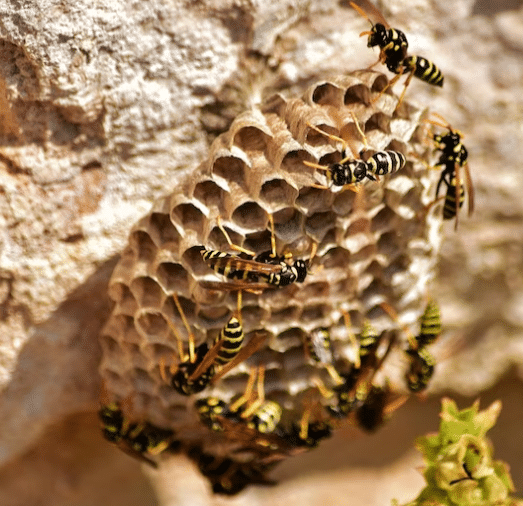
x=233, y=246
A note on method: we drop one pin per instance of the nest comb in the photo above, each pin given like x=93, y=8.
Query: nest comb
x=378, y=245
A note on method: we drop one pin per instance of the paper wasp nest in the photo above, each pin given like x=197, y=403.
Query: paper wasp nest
x=379, y=245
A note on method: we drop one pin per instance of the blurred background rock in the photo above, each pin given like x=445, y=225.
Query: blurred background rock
x=102, y=105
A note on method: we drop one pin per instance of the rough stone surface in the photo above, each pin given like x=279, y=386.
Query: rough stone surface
x=100, y=111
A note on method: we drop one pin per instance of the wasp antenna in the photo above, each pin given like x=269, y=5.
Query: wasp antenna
x=444, y=124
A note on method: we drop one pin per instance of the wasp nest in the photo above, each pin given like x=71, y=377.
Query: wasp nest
x=364, y=248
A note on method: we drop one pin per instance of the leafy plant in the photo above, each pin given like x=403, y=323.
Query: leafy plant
x=460, y=470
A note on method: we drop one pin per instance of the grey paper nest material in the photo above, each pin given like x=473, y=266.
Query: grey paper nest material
x=376, y=246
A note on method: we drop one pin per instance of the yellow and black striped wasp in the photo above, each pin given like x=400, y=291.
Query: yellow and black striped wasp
x=229, y=476
x=251, y=409
x=311, y=429
x=357, y=382
x=140, y=440
x=351, y=169
x=453, y=159
x=203, y=365
x=421, y=361
x=393, y=50
x=310, y=434
x=251, y=420
x=254, y=421
x=253, y=272
x=318, y=349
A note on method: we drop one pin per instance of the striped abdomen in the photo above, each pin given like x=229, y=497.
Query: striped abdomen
x=424, y=70
x=113, y=422
x=430, y=327
x=385, y=162
x=266, y=417
x=421, y=369
x=224, y=263
x=369, y=340
x=232, y=339
x=449, y=207
x=319, y=346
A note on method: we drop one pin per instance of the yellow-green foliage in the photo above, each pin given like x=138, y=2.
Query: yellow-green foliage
x=460, y=470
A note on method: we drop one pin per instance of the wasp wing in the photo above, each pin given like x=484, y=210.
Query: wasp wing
x=369, y=11
x=226, y=286
x=249, y=349
x=470, y=189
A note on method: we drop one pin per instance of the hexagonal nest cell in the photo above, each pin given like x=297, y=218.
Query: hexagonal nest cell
x=362, y=248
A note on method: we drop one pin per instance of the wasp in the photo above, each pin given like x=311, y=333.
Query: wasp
x=311, y=434
x=453, y=159
x=430, y=325
x=393, y=50
x=376, y=407
x=318, y=348
x=421, y=361
x=273, y=271
x=369, y=340
x=251, y=410
x=250, y=420
x=254, y=426
x=203, y=365
x=228, y=476
x=210, y=409
x=351, y=170
x=251, y=271
x=421, y=369
x=307, y=433
x=257, y=412
x=355, y=387
x=231, y=340
x=137, y=439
